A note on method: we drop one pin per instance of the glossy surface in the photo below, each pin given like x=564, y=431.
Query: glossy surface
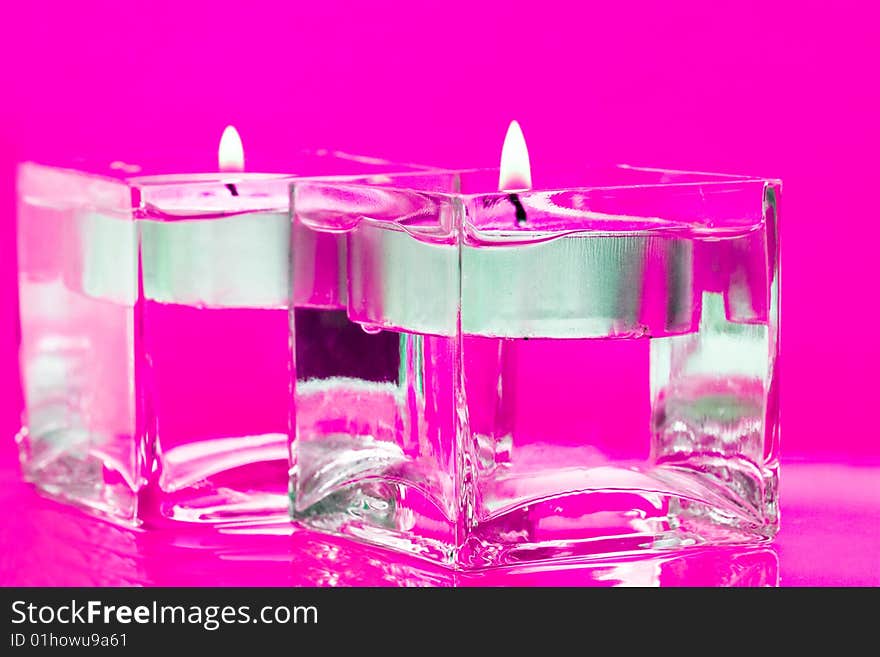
x=768, y=88
x=830, y=537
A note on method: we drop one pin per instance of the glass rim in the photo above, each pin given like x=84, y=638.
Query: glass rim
x=147, y=173
x=694, y=179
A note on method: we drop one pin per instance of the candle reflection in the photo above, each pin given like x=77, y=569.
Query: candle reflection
x=50, y=544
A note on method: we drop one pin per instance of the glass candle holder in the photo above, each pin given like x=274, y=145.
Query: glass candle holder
x=540, y=375
x=154, y=336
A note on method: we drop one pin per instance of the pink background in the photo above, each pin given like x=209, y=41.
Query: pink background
x=764, y=88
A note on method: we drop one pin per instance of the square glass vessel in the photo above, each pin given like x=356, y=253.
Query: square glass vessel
x=585, y=369
x=155, y=338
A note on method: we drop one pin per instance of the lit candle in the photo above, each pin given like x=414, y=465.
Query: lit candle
x=516, y=172
x=222, y=244
x=154, y=317
x=581, y=368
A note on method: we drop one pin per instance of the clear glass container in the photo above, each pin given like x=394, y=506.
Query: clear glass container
x=154, y=336
x=586, y=369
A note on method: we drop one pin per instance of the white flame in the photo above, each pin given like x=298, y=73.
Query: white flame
x=516, y=173
x=230, y=154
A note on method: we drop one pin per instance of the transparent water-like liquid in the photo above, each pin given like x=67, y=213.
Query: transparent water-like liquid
x=581, y=466
x=156, y=363
x=159, y=386
x=218, y=391
x=80, y=438
x=376, y=437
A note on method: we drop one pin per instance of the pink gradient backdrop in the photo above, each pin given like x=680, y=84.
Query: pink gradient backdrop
x=763, y=88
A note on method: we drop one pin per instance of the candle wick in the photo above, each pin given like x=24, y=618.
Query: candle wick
x=520, y=210
x=232, y=189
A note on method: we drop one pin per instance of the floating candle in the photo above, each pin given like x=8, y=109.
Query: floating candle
x=561, y=371
x=154, y=317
